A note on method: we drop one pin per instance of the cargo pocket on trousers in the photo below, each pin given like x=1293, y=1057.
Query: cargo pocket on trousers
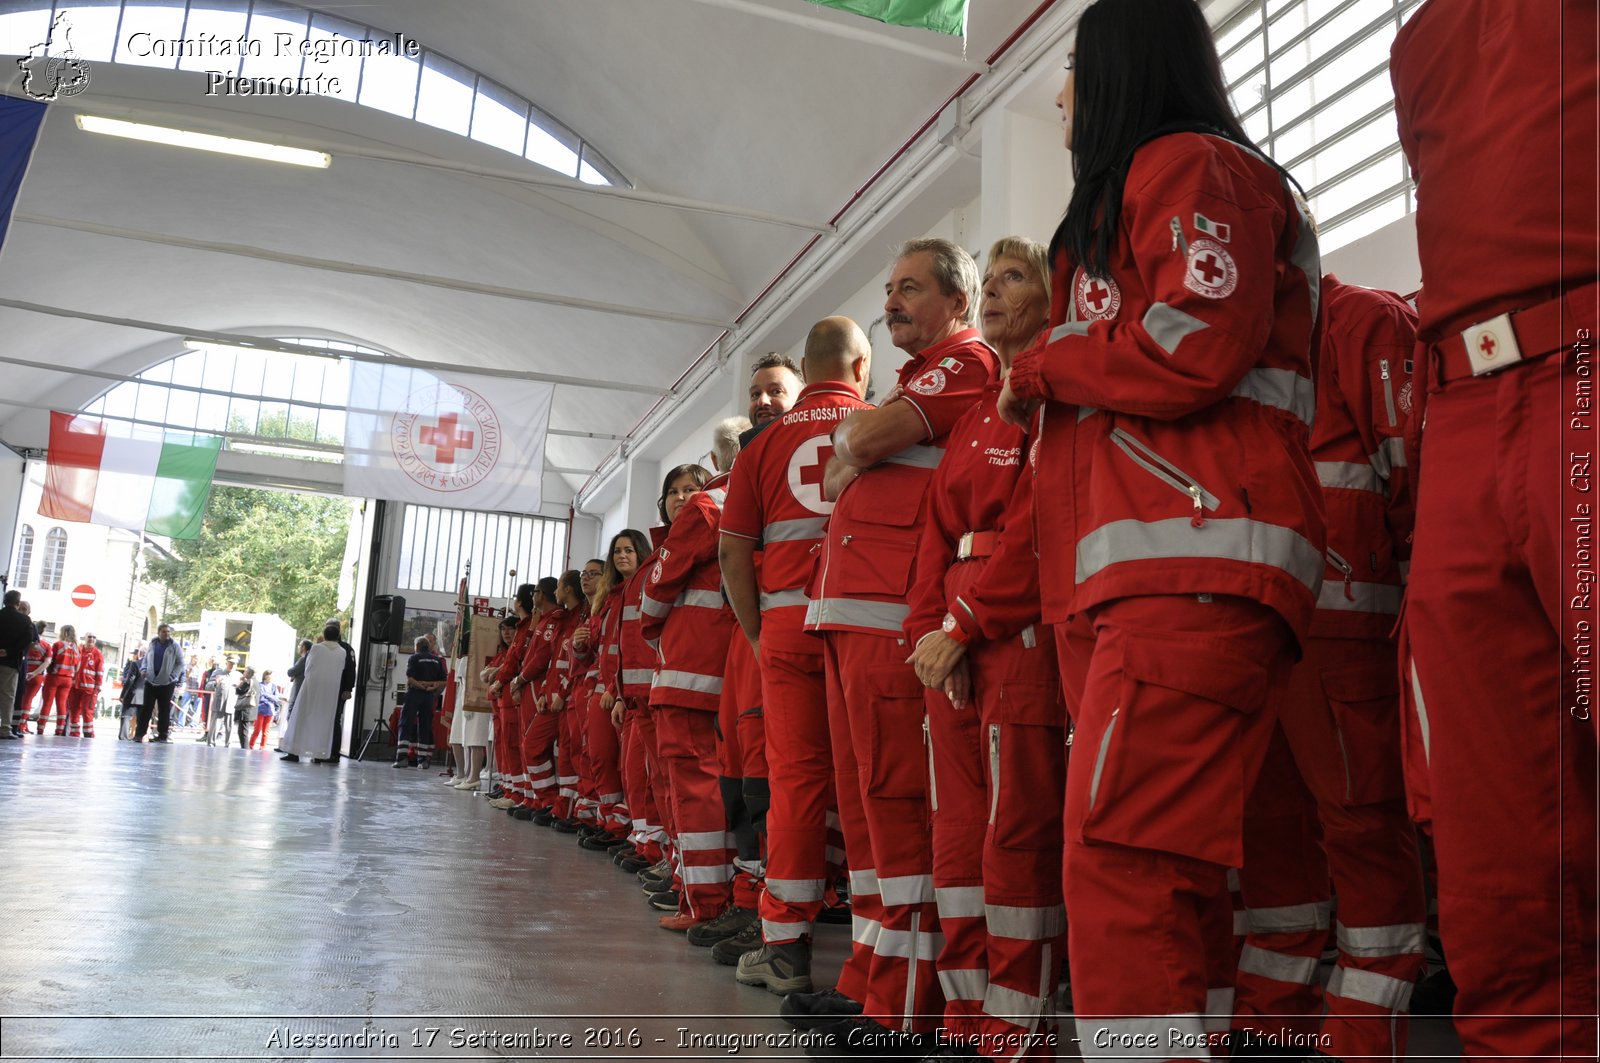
x=896, y=762
x=1026, y=746
x=1168, y=769
x=1365, y=702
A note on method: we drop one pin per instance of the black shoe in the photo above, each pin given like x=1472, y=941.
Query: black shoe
x=563, y=826
x=543, y=817
x=728, y=950
x=597, y=842
x=812, y=1011
x=857, y=1038
x=723, y=927
x=323, y=760
x=290, y=757
x=665, y=901
x=837, y=915
x=403, y=764
x=522, y=812
x=655, y=884
x=634, y=863
x=496, y=793
x=162, y=741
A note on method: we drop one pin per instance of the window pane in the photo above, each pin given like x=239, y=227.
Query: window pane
x=1330, y=202
x=151, y=403
x=183, y=409
x=20, y=31
x=500, y=119
x=1336, y=156
x=445, y=98
x=276, y=34
x=1392, y=209
x=334, y=51
x=213, y=414
x=121, y=400
x=151, y=33
x=219, y=22
x=389, y=83
x=546, y=150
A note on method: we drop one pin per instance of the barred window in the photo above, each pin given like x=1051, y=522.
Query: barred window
x=436, y=544
x=24, y=555
x=55, y=559
x=1310, y=79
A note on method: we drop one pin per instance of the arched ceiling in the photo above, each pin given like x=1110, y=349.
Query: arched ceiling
x=711, y=100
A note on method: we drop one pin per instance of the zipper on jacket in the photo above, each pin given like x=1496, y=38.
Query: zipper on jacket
x=1167, y=473
x=933, y=786
x=1100, y=760
x=994, y=771
x=1388, y=390
x=1178, y=241
x=1343, y=566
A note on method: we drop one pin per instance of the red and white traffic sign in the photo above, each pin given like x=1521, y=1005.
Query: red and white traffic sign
x=83, y=595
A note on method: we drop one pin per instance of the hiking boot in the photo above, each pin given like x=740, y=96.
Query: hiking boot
x=724, y=926
x=782, y=968
x=728, y=950
x=812, y=1011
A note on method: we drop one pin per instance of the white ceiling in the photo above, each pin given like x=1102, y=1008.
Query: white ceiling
x=694, y=98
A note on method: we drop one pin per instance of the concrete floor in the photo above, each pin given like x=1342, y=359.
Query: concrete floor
x=184, y=902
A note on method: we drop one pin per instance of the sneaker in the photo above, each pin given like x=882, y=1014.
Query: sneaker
x=633, y=862
x=500, y=802
x=656, y=870
x=728, y=950
x=724, y=926
x=858, y=1037
x=655, y=885
x=781, y=969
x=681, y=922
x=665, y=901
x=812, y=1011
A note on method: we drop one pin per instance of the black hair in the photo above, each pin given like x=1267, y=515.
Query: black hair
x=525, y=597
x=547, y=587
x=1140, y=66
x=774, y=360
x=305, y=646
x=570, y=580
x=701, y=476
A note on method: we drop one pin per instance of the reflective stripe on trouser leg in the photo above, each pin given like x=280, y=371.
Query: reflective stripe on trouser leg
x=959, y=812
x=866, y=907
x=801, y=778
x=883, y=713
x=687, y=744
x=605, y=762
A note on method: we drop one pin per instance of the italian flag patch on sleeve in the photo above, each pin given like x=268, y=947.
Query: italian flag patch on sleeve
x=1216, y=229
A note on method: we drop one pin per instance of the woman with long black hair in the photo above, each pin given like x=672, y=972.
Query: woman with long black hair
x=508, y=724
x=613, y=730
x=1176, y=394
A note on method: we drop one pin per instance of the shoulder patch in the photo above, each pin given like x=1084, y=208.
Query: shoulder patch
x=930, y=383
x=1098, y=300
x=1404, y=398
x=655, y=576
x=1211, y=271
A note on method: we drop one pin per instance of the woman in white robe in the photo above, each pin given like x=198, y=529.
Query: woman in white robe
x=316, y=704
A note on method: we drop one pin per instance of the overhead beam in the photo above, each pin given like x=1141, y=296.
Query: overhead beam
x=356, y=269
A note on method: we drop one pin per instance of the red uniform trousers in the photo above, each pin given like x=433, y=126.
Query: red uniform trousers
x=568, y=755
x=997, y=779
x=639, y=733
x=1512, y=764
x=794, y=699
x=539, y=754
x=742, y=756
x=687, y=746
x=576, y=720
x=605, y=762
x=1340, y=726
x=35, y=684
x=875, y=717
x=57, y=699
x=1178, y=710
x=511, y=747
x=81, y=714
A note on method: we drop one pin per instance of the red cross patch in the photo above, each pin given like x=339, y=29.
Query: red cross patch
x=1098, y=300
x=930, y=383
x=1210, y=270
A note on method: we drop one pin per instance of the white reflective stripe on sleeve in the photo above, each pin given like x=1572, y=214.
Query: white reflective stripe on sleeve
x=796, y=890
x=1283, y=389
x=1017, y=1008
x=959, y=902
x=775, y=932
x=1349, y=476
x=1390, y=455
x=906, y=889
x=1290, y=919
x=1294, y=970
x=783, y=599
x=1233, y=539
x=1396, y=939
x=918, y=456
x=711, y=875
x=638, y=675
x=701, y=599
x=797, y=530
x=1154, y=1037
x=1025, y=924
x=1422, y=713
x=630, y=612
x=969, y=984
x=864, y=931
x=650, y=607
x=1070, y=328
x=1169, y=326
x=877, y=616
x=702, y=684
x=899, y=943
x=1219, y=1010
x=1363, y=597
x=1370, y=987
x=864, y=882
x=703, y=841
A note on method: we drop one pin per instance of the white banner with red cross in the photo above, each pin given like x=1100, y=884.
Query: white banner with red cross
x=445, y=439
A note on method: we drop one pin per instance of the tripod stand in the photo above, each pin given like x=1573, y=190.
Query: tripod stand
x=381, y=723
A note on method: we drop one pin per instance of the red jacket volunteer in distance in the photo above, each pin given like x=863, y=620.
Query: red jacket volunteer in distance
x=555, y=676
x=64, y=663
x=91, y=669
x=775, y=499
x=539, y=654
x=1174, y=454
x=682, y=609
x=865, y=572
x=1364, y=395
x=629, y=670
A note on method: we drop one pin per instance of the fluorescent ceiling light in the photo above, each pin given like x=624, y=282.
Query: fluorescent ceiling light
x=183, y=138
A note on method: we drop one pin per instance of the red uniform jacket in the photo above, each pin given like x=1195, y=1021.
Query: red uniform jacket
x=1364, y=395
x=511, y=659
x=607, y=661
x=64, y=663
x=981, y=486
x=634, y=669
x=38, y=658
x=1174, y=442
x=775, y=499
x=555, y=676
x=682, y=608
x=1498, y=229
x=539, y=654
x=865, y=570
x=583, y=666
x=91, y=669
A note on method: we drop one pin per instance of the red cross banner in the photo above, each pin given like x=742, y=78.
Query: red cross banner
x=445, y=439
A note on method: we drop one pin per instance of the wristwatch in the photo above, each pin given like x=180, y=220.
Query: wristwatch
x=954, y=630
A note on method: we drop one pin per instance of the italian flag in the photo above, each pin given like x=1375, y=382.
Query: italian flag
x=144, y=480
x=940, y=16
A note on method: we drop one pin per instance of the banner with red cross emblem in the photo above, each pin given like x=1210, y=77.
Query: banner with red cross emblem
x=445, y=439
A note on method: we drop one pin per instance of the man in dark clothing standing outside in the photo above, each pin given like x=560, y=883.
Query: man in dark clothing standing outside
x=425, y=678
x=163, y=668
x=16, y=635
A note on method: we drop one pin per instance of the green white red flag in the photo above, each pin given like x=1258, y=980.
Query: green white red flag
x=940, y=16
x=128, y=476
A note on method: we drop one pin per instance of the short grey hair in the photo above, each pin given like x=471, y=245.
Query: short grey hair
x=952, y=266
x=725, y=440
